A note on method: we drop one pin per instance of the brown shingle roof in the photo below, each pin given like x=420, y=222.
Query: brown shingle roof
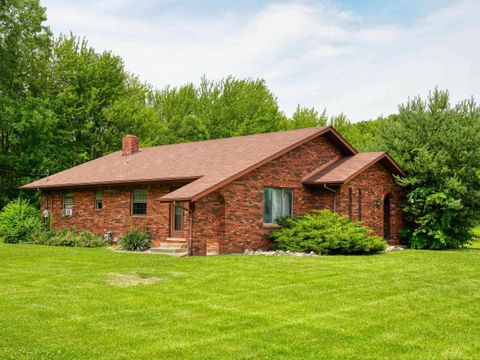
x=210, y=164
x=346, y=168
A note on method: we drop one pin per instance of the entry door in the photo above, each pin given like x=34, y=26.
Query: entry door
x=176, y=220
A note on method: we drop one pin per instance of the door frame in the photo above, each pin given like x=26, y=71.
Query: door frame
x=176, y=233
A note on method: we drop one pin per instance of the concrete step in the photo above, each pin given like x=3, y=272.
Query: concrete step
x=172, y=252
x=172, y=246
x=168, y=247
x=167, y=250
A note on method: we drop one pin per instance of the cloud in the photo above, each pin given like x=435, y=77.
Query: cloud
x=312, y=53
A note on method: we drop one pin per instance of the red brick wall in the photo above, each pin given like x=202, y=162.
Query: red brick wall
x=209, y=225
x=375, y=183
x=241, y=202
x=243, y=224
x=115, y=214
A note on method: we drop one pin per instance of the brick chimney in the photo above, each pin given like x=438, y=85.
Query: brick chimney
x=129, y=144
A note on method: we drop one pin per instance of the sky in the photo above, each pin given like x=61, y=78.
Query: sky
x=360, y=58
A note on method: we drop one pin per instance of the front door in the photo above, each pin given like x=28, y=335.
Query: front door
x=176, y=220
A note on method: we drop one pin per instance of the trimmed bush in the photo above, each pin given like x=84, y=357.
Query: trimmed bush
x=325, y=232
x=136, y=240
x=19, y=221
x=70, y=237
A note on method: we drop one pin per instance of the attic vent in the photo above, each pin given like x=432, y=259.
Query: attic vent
x=129, y=144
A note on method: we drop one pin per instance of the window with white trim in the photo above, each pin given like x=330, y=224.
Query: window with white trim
x=277, y=202
x=67, y=204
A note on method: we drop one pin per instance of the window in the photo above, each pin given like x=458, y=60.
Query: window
x=98, y=200
x=139, y=202
x=67, y=204
x=277, y=202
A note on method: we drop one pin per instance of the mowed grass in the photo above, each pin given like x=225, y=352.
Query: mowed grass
x=67, y=303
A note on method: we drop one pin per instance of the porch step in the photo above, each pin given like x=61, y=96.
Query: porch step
x=168, y=252
x=170, y=248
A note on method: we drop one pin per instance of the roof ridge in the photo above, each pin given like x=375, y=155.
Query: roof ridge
x=236, y=137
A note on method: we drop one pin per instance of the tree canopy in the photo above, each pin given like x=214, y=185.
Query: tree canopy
x=215, y=110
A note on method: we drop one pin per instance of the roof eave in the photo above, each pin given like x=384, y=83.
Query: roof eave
x=316, y=183
x=102, y=183
x=173, y=199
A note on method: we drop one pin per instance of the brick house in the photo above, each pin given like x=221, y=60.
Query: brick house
x=222, y=196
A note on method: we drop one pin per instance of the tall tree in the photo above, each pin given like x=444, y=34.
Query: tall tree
x=304, y=117
x=95, y=102
x=439, y=146
x=214, y=110
x=25, y=117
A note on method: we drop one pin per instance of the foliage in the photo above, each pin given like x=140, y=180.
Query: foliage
x=95, y=102
x=136, y=240
x=325, y=232
x=215, y=110
x=25, y=119
x=304, y=117
x=363, y=135
x=19, y=221
x=69, y=237
x=438, y=145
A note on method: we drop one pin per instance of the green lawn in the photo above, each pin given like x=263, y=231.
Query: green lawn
x=60, y=303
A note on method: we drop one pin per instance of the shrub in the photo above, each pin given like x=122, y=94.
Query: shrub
x=19, y=221
x=325, y=232
x=136, y=240
x=70, y=237
x=92, y=240
x=438, y=146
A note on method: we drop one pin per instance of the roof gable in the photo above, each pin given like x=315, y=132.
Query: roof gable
x=345, y=169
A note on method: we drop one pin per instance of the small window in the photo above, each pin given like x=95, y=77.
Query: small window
x=139, y=202
x=68, y=201
x=277, y=202
x=67, y=204
x=98, y=200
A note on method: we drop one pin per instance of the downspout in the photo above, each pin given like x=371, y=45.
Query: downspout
x=190, y=231
x=334, y=196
